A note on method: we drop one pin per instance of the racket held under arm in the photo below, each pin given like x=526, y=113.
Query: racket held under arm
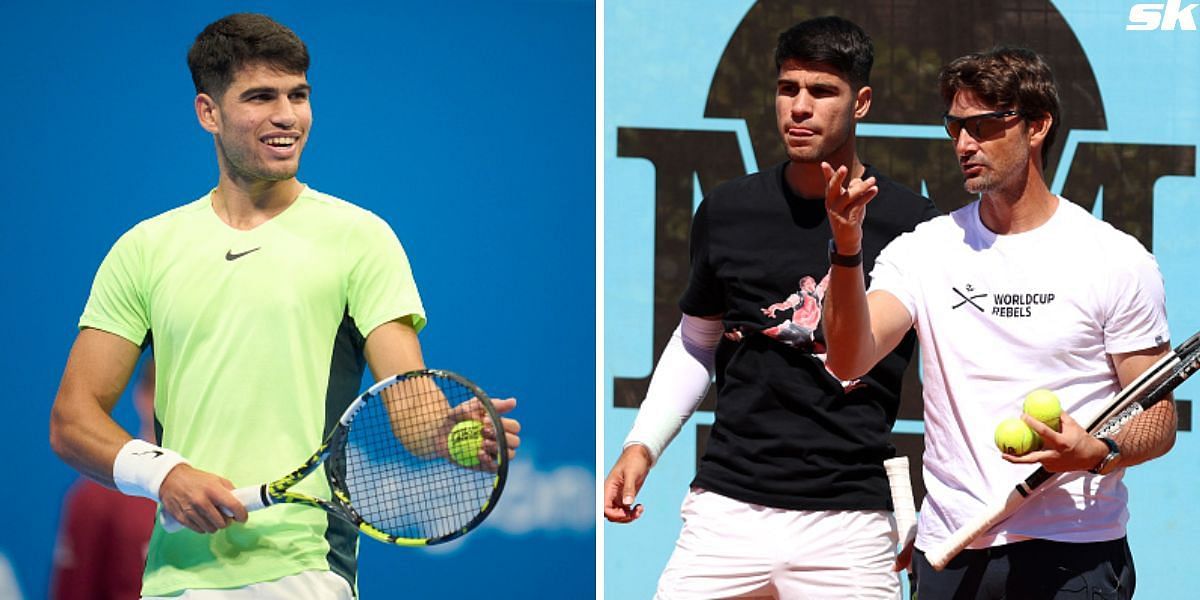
x=1153, y=385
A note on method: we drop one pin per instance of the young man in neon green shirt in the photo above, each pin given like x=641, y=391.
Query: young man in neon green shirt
x=263, y=300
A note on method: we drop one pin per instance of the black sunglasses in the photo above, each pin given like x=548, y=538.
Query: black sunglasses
x=979, y=127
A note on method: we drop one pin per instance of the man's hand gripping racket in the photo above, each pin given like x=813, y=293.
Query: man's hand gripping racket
x=418, y=459
x=1154, y=384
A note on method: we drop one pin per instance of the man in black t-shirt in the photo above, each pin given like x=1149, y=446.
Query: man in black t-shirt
x=791, y=498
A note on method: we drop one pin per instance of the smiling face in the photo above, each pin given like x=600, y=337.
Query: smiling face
x=816, y=109
x=260, y=123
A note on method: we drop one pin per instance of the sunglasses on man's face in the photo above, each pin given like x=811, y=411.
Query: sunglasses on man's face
x=980, y=127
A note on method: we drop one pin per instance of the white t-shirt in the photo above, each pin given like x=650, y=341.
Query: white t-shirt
x=999, y=316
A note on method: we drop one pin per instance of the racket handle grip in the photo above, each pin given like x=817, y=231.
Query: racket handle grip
x=251, y=497
x=905, y=511
x=939, y=556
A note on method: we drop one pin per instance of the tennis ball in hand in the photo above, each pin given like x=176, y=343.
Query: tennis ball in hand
x=1044, y=406
x=1014, y=437
x=464, y=443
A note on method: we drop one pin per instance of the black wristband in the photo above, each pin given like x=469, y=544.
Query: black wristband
x=1114, y=451
x=843, y=260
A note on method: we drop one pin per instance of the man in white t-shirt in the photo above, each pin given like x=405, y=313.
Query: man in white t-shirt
x=1017, y=291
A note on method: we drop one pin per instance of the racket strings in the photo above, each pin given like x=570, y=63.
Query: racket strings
x=397, y=467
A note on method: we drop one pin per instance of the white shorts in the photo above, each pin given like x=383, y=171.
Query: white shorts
x=306, y=585
x=732, y=549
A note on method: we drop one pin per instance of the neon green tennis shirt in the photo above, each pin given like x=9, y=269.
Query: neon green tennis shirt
x=258, y=340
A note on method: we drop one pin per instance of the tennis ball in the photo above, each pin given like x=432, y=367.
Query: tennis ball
x=464, y=443
x=1014, y=437
x=1043, y=405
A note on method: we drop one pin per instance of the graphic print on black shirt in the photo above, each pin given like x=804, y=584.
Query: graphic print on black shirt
x=801, y=323
x=786, y=432
x=802, y=316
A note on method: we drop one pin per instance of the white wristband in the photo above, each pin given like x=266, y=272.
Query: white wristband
x=141, y=467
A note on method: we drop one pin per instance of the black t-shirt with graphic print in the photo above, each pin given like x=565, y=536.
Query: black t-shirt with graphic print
x=787, y=433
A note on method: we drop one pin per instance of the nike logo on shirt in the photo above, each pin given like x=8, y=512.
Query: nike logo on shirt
x=229, y=255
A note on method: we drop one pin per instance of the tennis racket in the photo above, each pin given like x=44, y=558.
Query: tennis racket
x=905, y=512
x=904, y=508
x=410, y=462
x=1151, y=386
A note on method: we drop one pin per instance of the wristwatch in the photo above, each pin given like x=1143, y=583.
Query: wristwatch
x=843, y=260
x=1114, y=452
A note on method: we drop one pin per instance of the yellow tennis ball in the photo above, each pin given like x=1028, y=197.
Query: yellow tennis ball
x=1044, y=406
x=464, y=443
x=1014, y=437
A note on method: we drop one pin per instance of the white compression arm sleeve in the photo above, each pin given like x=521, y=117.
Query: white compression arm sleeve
x=679, y=383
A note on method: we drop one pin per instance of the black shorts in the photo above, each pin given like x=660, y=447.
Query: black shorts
x=1032, y=570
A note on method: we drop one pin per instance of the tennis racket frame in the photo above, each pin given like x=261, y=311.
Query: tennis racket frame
x=340, y=504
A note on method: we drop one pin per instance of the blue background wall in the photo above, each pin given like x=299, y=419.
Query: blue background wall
x=660, y=60
x=469, y=126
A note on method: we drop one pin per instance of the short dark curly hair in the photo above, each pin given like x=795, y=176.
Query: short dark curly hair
x=237, y=40
x=831, y=41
